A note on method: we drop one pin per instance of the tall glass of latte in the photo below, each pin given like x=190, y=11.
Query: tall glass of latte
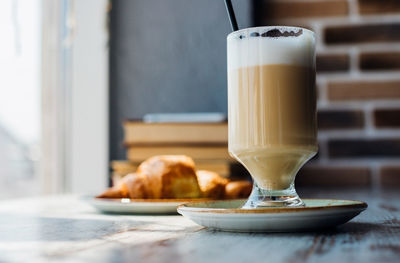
x=272, y=109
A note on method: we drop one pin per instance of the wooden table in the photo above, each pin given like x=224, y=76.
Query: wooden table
x=65, y=229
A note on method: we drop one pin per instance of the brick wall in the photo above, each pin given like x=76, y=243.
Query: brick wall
x=358, y=80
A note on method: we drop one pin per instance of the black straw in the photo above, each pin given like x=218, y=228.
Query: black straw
x=231, y=14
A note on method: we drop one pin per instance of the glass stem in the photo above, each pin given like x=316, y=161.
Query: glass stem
x=260, y=198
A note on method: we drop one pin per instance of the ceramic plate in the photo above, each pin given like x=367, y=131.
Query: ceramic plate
x=227, y=215
x=137, y=206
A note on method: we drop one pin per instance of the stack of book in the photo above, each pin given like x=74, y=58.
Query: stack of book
x=206, y=143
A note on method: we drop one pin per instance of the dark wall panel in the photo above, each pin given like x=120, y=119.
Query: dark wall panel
x=167, y=56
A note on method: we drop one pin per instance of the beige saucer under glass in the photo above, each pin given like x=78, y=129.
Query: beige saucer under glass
x=227, y=215
x=272, y=109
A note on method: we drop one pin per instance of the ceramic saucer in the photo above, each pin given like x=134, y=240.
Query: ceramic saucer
x=227, y=215
x=136, y=206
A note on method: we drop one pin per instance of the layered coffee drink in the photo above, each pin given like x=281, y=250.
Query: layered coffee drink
x=272, y=103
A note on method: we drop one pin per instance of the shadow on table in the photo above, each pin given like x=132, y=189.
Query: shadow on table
x=355, y=229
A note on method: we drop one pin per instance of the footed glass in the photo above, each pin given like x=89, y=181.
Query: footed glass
x=272, y=109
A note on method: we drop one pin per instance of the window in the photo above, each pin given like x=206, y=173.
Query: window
x=20, y=118
x=53, y=97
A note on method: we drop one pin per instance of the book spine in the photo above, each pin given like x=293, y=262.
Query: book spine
x=156, y=134
x=136, y=154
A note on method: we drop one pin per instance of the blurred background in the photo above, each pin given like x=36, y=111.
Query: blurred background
x=74, y=72
x=20, y=114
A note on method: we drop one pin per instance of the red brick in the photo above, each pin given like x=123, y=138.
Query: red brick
x=362, y=148
x=387, y=118
x=378, y=6
x=296, y=9
x=380, y=61
x=332, y=62
x=363, y=90
x=351, y=34
x=340, y=119
x=328, y=176
x=390, y=176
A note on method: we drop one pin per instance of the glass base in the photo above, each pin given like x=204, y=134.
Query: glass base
x=261, y=198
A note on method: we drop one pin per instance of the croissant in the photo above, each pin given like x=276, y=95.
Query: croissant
x=212, y=185
x=170, y=176
x=132, y=185
x=174, y=176
x=238, y=189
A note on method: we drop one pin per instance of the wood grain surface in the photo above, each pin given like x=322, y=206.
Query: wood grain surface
x=65, y=229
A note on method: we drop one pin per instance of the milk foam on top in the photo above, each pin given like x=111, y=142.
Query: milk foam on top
x=251, y=46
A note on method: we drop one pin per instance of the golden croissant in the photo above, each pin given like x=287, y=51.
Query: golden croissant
x=174, y=176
